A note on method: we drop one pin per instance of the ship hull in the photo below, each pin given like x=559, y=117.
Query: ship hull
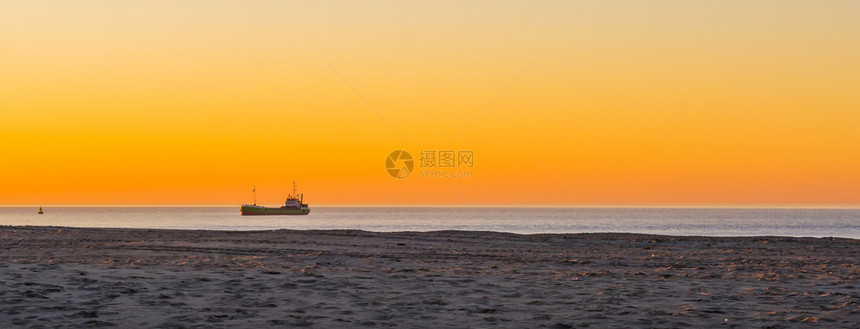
x=266, y=211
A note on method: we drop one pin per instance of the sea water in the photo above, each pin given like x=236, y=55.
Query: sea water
x=708, y=221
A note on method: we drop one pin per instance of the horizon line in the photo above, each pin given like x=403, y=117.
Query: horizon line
x=823, y=205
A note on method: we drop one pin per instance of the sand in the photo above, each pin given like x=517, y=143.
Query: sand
x=53, y=276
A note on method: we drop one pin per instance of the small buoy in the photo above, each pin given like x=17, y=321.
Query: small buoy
x=40, y=210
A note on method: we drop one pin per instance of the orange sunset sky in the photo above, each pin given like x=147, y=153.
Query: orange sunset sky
x=160, y=102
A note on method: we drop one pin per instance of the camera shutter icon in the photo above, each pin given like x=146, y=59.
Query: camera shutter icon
x=399, y=164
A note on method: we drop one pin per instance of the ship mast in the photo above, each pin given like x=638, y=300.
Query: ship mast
x=295, y=194
x=254, y=189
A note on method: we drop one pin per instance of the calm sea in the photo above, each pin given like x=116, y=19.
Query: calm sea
x=810, y=222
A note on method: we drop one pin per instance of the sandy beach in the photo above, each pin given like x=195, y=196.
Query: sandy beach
x=52, y=276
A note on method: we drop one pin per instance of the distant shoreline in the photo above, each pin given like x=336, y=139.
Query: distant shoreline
x=610, y=235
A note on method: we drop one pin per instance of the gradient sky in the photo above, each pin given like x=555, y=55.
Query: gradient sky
x=132, y=102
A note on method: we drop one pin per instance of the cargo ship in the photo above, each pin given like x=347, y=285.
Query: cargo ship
x=293, y=206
